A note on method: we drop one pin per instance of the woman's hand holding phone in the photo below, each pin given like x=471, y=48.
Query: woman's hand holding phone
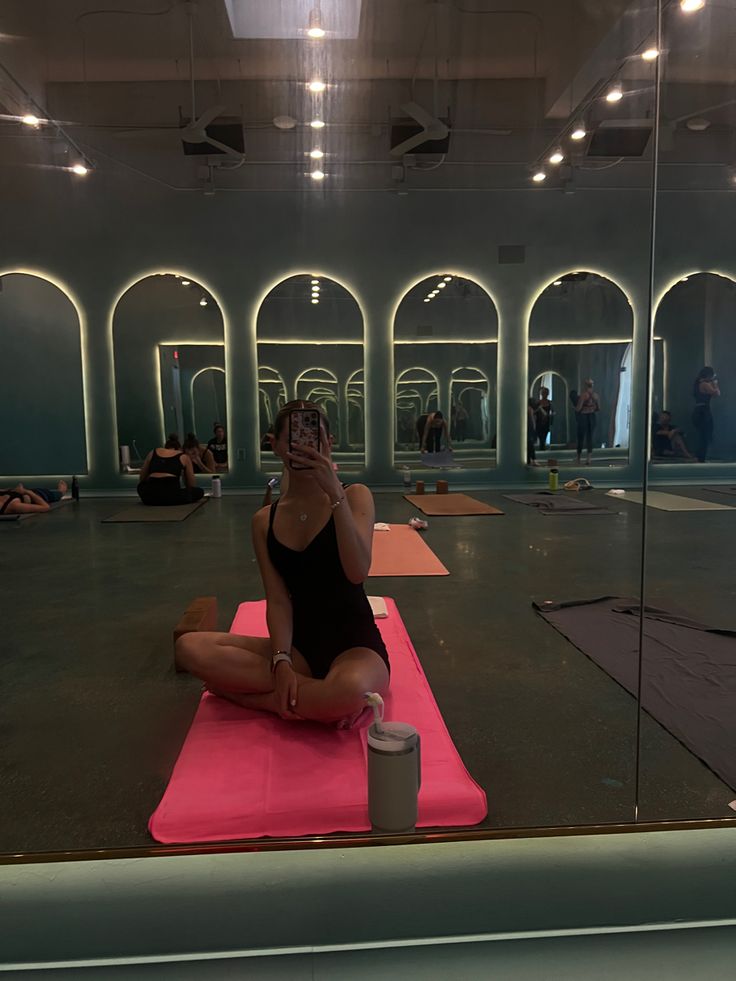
x=319, y=464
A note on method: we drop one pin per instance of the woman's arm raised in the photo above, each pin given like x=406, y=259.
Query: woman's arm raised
x=279, y=615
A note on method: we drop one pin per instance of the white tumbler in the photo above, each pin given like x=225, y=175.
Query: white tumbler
x=216, y=490
x=124, y=457
x=394, y=775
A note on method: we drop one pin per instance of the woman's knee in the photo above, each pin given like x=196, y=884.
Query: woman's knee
x=190, y=652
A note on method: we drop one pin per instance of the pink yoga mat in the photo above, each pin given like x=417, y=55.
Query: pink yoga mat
x=245, y=774
x=403, y=552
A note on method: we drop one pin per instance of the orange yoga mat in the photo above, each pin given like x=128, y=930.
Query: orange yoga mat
x=436, y=504
x=403, y=552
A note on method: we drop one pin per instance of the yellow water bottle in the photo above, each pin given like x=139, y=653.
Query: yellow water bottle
x=554, y=479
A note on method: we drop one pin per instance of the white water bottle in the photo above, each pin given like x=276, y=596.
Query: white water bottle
x=216, y=490
x=394, y=771
x=406, y=477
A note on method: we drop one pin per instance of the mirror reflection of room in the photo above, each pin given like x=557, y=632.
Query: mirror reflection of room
x=445, y=359
x=169, y=349
x=580, y=373
x=310, y=347
x=693, y=408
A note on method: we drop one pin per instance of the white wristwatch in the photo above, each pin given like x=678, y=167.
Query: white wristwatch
x=278, y=657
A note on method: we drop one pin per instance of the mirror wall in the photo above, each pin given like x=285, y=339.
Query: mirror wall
x=694, y=410
x=581, y=333
x=445, y=366
x=169, y=352
x=40, y=379
x=309, y=334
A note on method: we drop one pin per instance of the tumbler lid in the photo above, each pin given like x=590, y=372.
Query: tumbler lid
x=396, y=737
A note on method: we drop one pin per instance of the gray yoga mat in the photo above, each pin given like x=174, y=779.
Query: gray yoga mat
x=669, y=502
x=688, y=669
x=553, y=503
x=35, y=514
x=721, y=489
x=147, y=513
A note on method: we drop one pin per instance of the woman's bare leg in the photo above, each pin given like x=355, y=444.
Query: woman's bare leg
x=342, y=693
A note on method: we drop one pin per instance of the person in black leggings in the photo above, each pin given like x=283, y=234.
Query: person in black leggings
x=705, y=388
x=434, y=429
x=161, y=473
x=324, y=651
x=585, y=410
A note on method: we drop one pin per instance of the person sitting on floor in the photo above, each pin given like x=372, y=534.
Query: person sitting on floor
x=202, y=459
x=161, y=473
x=313, y=546
x=218, y=447
x=30, y=500
x=668, y=440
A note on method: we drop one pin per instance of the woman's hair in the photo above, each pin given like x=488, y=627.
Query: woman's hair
x=191, y=442
x=172, y=442
x=588, y=383
x=282, y=415
x=218, y=425
x=438, y=415
x=705, y=374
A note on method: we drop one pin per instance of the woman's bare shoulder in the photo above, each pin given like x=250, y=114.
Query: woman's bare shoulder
x=260, y=518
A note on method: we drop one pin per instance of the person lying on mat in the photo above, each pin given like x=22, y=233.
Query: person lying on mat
x=160, y=475
x=29, y=500
x=202, y=459
x=313, y=546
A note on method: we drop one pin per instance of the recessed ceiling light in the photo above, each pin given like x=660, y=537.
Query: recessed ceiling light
x=651, y=54
x=316, y=154
x=557, y=156
x=317, y=85
x=315, y=29
x=314, y=300
x=186, y=282
x=690, y=6
x=315, y=282
x=615, y=93
x=427, y=299
x=448, y=278
x=203, y=301
x=31, y=120
x=317, y=175
x=579, y=132
x=434, y=293
x=684, y=279
x=317, y=124
x=557, y=282
x=80, y=169
x=539, y=177
x=441, y=286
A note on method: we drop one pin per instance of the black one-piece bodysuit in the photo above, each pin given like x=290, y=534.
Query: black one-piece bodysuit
x=331, y=614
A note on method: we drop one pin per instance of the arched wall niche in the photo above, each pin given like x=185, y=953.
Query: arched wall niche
x=310, y=345
x=166, y=329
x=445, y=346
x=41, y=378
x=581, y=326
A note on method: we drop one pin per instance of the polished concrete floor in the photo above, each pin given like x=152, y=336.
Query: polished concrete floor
x=93, y=715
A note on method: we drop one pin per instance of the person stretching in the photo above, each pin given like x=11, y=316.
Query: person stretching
x=160, y=474
x=313, y=546
x=30, y=500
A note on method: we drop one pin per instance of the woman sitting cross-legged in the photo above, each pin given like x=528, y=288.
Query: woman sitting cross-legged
x=324, y=651
x=160, y=475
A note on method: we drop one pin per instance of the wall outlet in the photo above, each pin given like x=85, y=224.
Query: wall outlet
x=241, y=454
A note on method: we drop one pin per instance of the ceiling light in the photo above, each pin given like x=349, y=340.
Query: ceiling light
x=315, y=282
x=80, y=169
x=684, y=279
x=317, y=175
x=317, y=85
x=186, y=282
x=314, y=300
x=427, y=299
x=651, y=54
x=31, y=120
x=317, y=124
x=615, y=93
x=579, y=132
x=539, y=177
x=203, y=301
x=316, y=154
x=557, y=156
x=448, y=278
x=690, y=6
x=557, y=282
x=315, y=29
x=441, y=286
x=434, y=293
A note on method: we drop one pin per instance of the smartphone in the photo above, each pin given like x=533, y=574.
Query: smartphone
x=303, y=431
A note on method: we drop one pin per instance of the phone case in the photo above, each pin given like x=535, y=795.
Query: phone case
x=303, y=430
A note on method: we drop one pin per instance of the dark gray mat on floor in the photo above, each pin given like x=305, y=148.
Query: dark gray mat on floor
x=721, y=489
x=688, y=669
x=143, y=512
x=35, y=514
x=553, y=502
